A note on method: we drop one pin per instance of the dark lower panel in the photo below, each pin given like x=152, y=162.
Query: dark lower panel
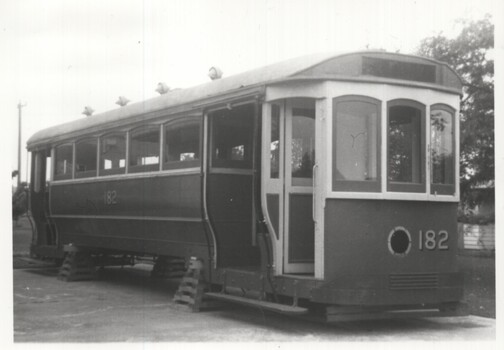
x=141, y=236
x=301, y=229
x=229, y=203
x=164, y=196
x=357, y=235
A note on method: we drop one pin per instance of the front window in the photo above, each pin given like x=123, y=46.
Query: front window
x=356, y=150
x=406, y=140
x=442, y=150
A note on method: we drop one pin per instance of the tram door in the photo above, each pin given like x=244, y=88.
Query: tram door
x=289, y=186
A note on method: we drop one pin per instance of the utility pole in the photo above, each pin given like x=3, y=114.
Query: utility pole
x=20, y=106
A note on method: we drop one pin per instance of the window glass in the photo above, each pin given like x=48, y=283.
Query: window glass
x=85, y=158
x=356, y=144
x=232, y=137
x=113, y=154
x=303, y=145
x=144, y=149
x=405, y=148
x=275, y=142
x=442, y=148
x=182, y=144
x=63, y=168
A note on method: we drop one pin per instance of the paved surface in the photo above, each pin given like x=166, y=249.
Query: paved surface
x=125, y=305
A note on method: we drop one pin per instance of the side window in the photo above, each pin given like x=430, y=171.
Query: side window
x=182, y=144
x=85, y=158
x=232, y=137
x=356, y=144
x=144, y=149
x=63, y=162
x=406, y=143
x=113, y=154
x=442, y=149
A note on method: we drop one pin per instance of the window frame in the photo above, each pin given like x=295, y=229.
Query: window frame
x=114, y=171
x=444, y=189
x=131, y=169
x=88, y=173
x=406, y=187
x=178, y=164
x=374, y=186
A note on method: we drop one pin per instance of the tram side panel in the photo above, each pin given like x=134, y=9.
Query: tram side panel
x=367, y=264
x=154, y=215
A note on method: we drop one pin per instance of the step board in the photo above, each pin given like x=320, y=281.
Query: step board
x=281, y=308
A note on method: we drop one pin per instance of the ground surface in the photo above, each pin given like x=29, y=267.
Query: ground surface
x=125, y=305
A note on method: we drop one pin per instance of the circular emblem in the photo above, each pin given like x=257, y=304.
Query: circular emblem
x=399, y=241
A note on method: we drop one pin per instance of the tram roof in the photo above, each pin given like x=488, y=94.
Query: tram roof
x=364, y=66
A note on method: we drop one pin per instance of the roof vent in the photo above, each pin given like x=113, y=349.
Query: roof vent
x=122, y=101
x=162, y=88
x=88, y=111
x=215, y=73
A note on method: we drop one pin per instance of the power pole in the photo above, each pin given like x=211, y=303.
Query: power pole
x=20, y=106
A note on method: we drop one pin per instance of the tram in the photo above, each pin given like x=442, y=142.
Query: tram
x=324, y=185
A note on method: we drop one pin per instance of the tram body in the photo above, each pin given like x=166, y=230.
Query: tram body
x=325, y=183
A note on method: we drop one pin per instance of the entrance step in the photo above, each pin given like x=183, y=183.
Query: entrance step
x=267, y=305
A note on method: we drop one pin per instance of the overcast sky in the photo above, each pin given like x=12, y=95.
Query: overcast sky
x=58, y=56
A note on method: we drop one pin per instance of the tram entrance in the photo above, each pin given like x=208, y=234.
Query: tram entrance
x=289, y=184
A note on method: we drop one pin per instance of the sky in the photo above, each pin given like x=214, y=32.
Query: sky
x=58, y=56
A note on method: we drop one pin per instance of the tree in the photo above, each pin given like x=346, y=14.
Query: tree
x=470, y=55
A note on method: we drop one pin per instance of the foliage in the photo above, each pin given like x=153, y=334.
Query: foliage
x=470, y=55
x=20, y=201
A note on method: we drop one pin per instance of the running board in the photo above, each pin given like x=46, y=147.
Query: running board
x=275, y=307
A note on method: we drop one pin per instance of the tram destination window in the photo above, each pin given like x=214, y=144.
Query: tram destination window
x=85, y=158
x=406, y=140
x=442, y=150
x=63, y=162
x=398, y=69
x=144, y=149
x=232, y=137
x=182, y=144
x=113, y=154
x=356, y=144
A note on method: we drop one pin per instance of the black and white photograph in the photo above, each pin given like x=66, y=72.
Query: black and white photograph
x=235, y=172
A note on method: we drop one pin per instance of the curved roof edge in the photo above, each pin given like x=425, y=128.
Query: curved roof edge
x=330, y=66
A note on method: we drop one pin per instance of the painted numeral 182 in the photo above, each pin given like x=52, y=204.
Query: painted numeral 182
x=110, y=197
x=431, y=240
